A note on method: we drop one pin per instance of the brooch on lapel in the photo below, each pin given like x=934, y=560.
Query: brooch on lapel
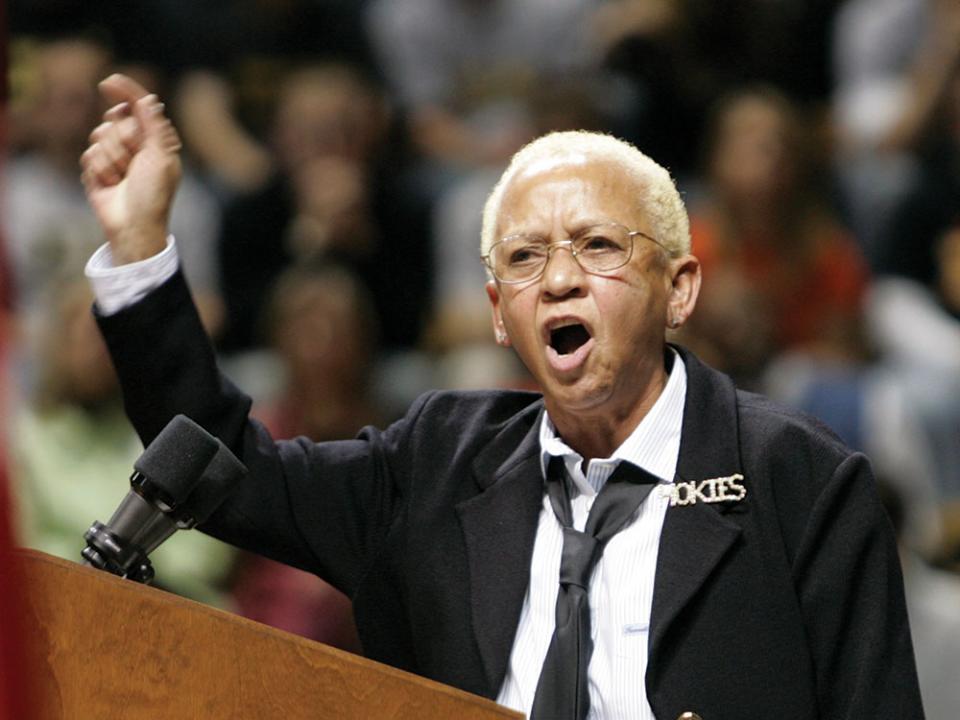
x=714, y=490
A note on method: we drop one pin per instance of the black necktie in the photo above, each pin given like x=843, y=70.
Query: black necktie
x=562, y=688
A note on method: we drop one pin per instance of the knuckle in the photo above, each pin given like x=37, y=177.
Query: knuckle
x=100, y=162
x=90, y=154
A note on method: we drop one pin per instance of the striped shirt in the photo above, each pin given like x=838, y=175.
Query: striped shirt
x=621, y=587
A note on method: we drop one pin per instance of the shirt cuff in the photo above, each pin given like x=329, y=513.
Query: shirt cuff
x=116, y=287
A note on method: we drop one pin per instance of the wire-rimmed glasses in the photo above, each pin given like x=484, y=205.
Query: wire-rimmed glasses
x=597, y=248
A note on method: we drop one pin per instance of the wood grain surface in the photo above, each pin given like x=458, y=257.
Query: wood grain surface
x=107, y=648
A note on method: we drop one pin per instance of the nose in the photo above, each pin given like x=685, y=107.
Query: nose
x=562, y=275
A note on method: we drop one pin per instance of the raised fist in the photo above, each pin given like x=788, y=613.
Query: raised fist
x=131, y=170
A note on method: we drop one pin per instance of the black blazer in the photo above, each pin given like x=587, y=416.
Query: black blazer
x=787, y=604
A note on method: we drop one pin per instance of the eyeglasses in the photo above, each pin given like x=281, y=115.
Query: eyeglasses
x=597, y=249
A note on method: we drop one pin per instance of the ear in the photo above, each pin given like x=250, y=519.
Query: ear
x=499, y=331
x=685, y=288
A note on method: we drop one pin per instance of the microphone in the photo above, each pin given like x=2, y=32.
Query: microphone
x=177, y=483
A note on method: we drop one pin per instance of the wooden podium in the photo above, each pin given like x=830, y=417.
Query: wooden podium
x=111, y=648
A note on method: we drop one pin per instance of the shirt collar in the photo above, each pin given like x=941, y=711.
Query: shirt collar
x=654, y=444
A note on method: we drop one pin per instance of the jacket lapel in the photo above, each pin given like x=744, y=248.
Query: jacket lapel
x=499, y=526
x=696, y=537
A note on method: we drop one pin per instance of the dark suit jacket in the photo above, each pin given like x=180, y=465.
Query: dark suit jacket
x=788, y=604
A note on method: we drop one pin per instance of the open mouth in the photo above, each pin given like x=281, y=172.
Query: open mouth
x=569, y=338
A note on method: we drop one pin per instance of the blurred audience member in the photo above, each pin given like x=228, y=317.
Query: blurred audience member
x=649, y=44
x=455, y=67
x=228, y=154
x=919, y=246
x=332, y=197
x=917, y=333
x=73, y=450
x=784, y=288
x=893, y=63
x=322, y=326
x=914, y=308
x=676, y=58
x=780, y=272
x=48, y=226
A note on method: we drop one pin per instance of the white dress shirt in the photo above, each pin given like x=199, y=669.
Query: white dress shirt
x=621, y=586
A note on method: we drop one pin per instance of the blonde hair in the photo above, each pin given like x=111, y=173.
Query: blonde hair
x=659, y=199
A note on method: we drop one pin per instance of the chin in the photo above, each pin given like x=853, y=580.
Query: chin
x=579, y=396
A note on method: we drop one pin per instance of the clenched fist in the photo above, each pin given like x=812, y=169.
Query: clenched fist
x=131, y=170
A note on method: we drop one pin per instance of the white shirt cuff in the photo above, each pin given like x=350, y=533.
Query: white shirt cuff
x=116, y=287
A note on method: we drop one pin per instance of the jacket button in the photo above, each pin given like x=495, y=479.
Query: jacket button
x=689, y=716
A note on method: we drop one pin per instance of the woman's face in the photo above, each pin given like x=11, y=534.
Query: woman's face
x=752, y=159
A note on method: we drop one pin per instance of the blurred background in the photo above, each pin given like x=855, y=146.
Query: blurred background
x=338, y=153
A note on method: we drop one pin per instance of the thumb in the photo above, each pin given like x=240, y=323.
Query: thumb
x=118, y=88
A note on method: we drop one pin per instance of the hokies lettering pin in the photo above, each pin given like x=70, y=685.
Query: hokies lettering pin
x=714, y=490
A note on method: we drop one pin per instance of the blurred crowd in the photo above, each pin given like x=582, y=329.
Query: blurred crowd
x=338, y=153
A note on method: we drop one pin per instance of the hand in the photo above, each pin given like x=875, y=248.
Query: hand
x=131, y=170
x=332, y=210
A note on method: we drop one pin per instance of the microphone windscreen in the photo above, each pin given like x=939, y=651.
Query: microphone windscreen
x=177, y=458
x=218, y=479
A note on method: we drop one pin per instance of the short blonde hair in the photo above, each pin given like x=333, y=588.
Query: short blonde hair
x=659, y=198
